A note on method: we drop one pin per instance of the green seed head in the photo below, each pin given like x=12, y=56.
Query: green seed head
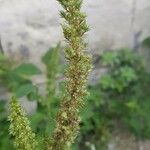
x=20, y=129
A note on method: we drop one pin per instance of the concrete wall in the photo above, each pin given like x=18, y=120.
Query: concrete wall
x=29, y=27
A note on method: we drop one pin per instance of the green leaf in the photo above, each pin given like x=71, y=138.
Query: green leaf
x=36, y=119
x=128, y=73
x=52, y=56
x=109, y=58
x=87, y=112
x=2, y=57
x=26, y=69
x=133, y=105
x=107, y=81
x=146, y=42
x=2, y=105
x=25, y=90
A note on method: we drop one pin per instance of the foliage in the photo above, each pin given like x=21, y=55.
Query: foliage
x=5, y=142
x=128, y=94
x=120, y=98
x=52, y=62
x=15, y=79
x=43, y=121
x=146, y=42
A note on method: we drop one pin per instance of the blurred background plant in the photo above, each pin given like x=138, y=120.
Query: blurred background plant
x=17, y=79
x=119, y=100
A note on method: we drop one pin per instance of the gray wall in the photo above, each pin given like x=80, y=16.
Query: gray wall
x=29, y=27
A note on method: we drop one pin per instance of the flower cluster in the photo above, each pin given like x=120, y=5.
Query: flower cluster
x=68, y=119
x=20, y=128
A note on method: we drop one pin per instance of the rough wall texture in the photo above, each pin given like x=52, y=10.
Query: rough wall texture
x=29, y=27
